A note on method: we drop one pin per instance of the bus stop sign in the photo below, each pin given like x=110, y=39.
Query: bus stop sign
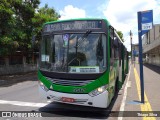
x=145, y=23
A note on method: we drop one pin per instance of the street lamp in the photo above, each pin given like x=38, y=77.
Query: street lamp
x=131, y=35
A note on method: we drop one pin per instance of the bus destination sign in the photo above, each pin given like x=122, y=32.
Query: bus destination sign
x=73, y=25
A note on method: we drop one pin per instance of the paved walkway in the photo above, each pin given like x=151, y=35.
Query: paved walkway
x=132, y=92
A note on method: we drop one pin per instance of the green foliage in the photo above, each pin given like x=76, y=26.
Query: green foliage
x=120, y=35
x=42, y=15
x=19, y=21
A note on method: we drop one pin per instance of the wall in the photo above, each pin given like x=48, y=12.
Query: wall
x=14, y=69
x=154, y=59
x=14, y=65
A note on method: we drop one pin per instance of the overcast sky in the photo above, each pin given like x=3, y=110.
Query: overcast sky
x=122, y=14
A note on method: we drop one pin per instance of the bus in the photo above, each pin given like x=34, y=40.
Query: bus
x=82, y=62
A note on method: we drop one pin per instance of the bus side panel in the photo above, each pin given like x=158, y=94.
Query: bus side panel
x=113, y=64
x=120, y=75
x=120, y=67
x=127, y=62
x=123, y=68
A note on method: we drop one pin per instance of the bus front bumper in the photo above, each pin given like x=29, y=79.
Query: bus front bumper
x=99, y=101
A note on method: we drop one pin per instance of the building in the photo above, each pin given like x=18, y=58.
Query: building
x=151, y=45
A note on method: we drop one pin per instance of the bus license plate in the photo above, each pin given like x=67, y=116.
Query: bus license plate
x=65, y=99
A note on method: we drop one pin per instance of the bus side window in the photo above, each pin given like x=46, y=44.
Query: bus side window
x=111, y=46
x=120, y=57
x=116, y=52
x=116, y=47
x=111, y=41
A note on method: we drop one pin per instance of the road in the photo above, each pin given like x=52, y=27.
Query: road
x=20, y=93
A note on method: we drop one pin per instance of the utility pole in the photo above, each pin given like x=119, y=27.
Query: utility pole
x=131, y=44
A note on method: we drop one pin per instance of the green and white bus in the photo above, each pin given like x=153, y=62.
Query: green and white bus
x=82, y=62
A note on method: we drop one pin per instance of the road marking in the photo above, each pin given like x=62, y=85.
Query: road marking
x=124, y=96
x=20, y=103
x=129, y=84
x=146, y=106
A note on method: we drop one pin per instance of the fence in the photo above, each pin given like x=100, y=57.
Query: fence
x=14, y=69
x=17, y=64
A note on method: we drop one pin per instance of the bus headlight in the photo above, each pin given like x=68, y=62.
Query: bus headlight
x=43, y=86
x=98, y=91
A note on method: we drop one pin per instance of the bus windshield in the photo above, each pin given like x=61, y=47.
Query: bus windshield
x=74, y=53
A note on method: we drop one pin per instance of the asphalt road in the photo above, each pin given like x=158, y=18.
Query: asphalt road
x=20, y=93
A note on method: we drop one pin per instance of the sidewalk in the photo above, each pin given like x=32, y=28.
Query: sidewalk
x=151, y=88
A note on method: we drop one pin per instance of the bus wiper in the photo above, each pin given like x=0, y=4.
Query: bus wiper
x=78, y=43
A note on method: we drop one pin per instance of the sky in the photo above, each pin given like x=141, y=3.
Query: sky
x=122, y=14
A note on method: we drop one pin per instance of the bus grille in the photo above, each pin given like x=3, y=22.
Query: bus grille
x=69, y=82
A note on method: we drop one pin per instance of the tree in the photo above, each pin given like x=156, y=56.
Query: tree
x=6, y=23
x=24, y=12
x=20, y=20
x=120, y=35
x=16, y=24
x=43, y=15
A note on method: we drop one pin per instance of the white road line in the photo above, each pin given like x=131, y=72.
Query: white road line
x=129, y=84
x=20, y=103
x=125, y=95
